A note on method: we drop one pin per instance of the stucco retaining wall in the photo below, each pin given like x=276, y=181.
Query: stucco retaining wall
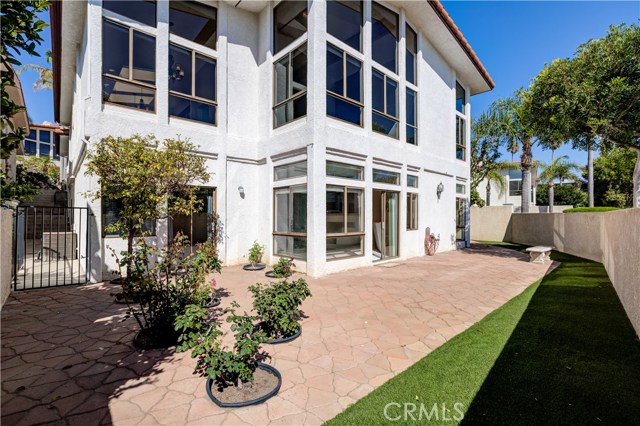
x=491, y=223
x=612, y=238
x=6, y=239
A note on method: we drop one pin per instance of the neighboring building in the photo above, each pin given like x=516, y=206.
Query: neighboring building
x=329, y=127
x=41, y=141
x=512, y=194
x=8, y=166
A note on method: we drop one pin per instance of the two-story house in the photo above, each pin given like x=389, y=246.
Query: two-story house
x=336, y=132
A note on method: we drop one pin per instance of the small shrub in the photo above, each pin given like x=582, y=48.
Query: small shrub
x=159, y=292
x=278, y=306
x=282, y=269
x=227, y=367
x=255, y=253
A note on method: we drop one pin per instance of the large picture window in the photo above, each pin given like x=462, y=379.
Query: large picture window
x=461, y=143
x=412, y=211
x=412, y=117
x=384, y=37
x=411, y=39
x=289, y=23
x=128, y=67
x=344, y=22
x=345, y=222
x=290, y=87
x=139, y=10
x=385, y=104
x=344, y=86
x=192, y=85
x=194, y=21
x=290, y=222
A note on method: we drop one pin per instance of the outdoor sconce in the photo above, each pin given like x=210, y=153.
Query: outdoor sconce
x=241, y=191
x=439, y=189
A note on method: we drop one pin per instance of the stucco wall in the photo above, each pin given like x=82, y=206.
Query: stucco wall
x=612, y=238
x=6, y=239
x=491, y=223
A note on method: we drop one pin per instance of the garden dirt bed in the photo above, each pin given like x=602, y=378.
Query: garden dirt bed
x=266, y=383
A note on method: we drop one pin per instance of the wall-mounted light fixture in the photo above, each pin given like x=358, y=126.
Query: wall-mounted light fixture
x=241, y=191
x=439, y=189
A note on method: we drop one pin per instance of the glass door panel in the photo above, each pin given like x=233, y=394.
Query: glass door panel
x=391, y=224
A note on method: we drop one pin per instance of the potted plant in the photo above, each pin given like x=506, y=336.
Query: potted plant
x=282, y=268
x=278, y=307
x=161, y=291
x=255, y=257
x=236, y=377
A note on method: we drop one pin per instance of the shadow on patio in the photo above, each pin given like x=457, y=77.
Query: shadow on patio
x=573, y=358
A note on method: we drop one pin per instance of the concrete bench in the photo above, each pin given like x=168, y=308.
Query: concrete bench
x=539, y=254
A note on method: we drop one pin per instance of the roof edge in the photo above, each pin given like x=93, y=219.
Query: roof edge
x=437, y=6
x=55, y=14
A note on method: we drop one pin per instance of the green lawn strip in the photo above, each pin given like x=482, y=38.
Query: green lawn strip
x=590, y=209
x=562, y=352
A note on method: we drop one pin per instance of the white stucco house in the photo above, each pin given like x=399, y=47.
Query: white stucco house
x=511, y=195
x=336, y=132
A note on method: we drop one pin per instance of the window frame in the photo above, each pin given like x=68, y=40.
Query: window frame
x=414, y=55
x=215, y=8
x=361, y=41
x=155, y=17
x=275, y=178
x=345, y=222
x=417, y=181
x=397, y=175
x=37, y=141
x=397, y=36
x=194, y=54
x=412, y=216
x=275, y=233
x=130, y=79
x=361, y=168
x=114, y=234
x=465, y=219
x=461, y=134
x=344, y=96
x=291, y=98
x=517, y=192
x=274, y=32
x=385, y=77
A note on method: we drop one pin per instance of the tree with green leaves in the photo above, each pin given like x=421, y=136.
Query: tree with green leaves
x=592, y=99
x=485, y=146
x=514, y=131
x=21, y=33
x=150, y=179
x=560, y=169
x=45, y=75
x=613, y=177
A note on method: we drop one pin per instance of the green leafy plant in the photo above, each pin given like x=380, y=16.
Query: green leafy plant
x=158, y=292
x=255, y=253
x=278, y=306
x=282, y=269
x=227, y=367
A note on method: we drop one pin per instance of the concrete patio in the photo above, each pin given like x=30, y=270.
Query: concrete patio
x=67, y=356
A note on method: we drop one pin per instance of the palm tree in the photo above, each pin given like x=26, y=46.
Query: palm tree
x=45, y=75
x=494, y=177
x=559, y=169
x=516, y=135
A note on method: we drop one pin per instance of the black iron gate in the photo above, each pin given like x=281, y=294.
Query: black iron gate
x=51, y=246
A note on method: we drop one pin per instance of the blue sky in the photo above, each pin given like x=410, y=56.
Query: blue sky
x=513, y=39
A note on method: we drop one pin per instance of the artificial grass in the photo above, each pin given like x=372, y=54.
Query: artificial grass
x=590, y=209
x=563, y=352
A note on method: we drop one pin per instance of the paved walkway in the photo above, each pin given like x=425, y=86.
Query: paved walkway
x=67, y=356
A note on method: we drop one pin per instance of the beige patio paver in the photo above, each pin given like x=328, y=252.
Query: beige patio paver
x=67, y=356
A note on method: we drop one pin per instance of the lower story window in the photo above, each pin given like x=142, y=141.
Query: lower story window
x=412, y=211
x=111, y=215
x=345, y=222
x=461, y=219
x=515, y=187
x=290, y=221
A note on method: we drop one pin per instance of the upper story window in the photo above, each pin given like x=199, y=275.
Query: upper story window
x=139, y=10
x=128, y=67
x=344, y=86
x=460, y=98
x=290, y=86
x=461, y=123
x=192, y=85
x=39, y=142
x=345, y=171
x=384, y=36
x=411, y=40
x=412, y=117
x=289, y=23
x=344, y=22
x=194, y=21
x=385, y=104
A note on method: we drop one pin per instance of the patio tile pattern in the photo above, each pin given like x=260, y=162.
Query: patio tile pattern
x=67, y=356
